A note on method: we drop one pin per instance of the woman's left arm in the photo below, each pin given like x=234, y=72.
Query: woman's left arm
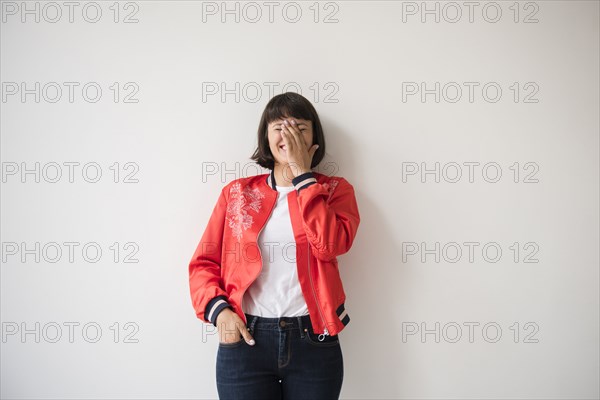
x=330, y=223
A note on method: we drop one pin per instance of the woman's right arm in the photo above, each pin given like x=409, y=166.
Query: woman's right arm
x=208, y=296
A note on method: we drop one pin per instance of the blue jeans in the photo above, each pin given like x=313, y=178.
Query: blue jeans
x=287, y=362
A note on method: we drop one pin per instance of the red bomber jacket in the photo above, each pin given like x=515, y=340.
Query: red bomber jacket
x=325, y=219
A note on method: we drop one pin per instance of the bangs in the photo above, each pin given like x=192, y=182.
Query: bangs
x=285, y=106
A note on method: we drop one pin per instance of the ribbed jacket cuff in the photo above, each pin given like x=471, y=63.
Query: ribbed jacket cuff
x=214, y=307
x=304, y=180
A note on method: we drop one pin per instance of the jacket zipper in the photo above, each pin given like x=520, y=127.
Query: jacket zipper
x=326, y=332
x=259, y=251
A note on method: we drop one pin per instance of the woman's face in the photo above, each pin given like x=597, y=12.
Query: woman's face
x=276, y=140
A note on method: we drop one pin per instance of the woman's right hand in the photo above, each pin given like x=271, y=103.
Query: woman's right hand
x=232, y=328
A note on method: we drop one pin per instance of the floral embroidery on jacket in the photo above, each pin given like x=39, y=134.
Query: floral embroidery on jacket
x=239, y=206
x=330, y=187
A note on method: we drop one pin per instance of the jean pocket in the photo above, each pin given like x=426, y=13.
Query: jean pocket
x=232, y=344
x=313, y=338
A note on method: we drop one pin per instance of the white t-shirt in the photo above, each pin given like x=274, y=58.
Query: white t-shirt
x=276, y=292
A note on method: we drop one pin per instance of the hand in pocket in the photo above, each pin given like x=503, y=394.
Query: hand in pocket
x=232, y=328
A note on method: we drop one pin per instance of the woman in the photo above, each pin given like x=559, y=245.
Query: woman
x=265, y=272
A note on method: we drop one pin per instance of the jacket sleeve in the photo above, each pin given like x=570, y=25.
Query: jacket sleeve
x=208, y=296
x=330, y=224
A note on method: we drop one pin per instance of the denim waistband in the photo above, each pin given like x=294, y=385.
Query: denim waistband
x=278, y=323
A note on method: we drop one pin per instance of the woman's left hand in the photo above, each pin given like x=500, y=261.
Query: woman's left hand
x=298, y=156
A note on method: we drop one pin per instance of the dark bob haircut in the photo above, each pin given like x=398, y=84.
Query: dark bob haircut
x=287, y=105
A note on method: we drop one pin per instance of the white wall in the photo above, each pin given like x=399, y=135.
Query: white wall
x=363, y=65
